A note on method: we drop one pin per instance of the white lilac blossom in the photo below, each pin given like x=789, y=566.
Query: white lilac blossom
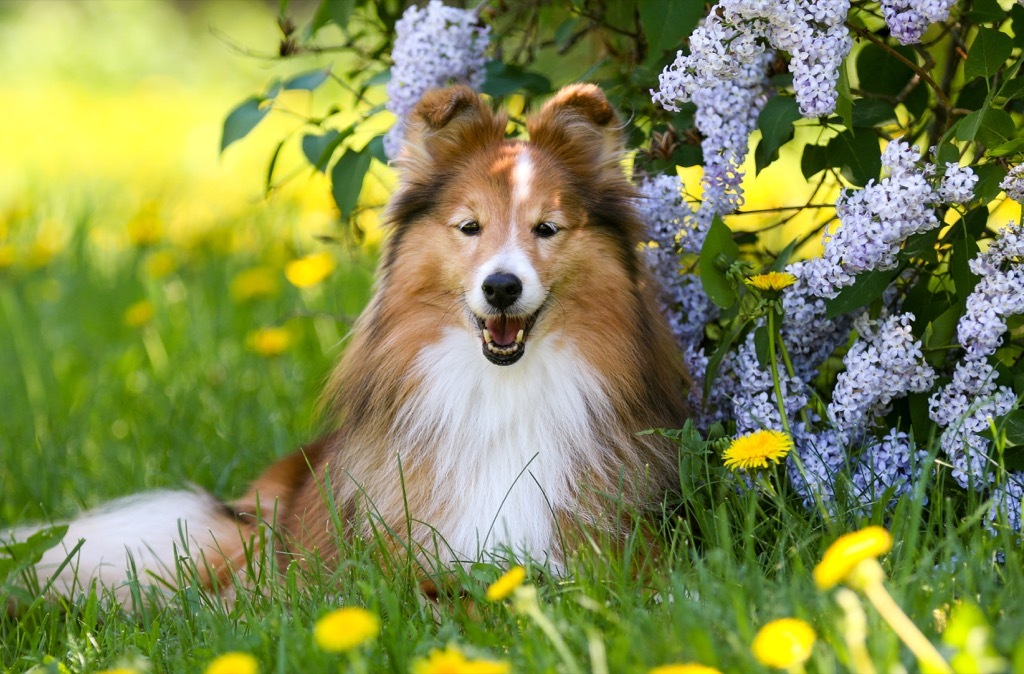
x=1007, y=502
x=434, y=46
x=908, y=19
x=966, y=406
x=754, y=403
x=875, y=221
x=887, y=467
x=885, y=362
x=957, y=186
x=1013, y=184
x=814, y=466
x=809, y=334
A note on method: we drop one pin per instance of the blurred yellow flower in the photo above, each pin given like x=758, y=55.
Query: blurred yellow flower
x=508, y=582
x=310, y=270
x=784, y=643
x=271, y=341
x=847, y=552
x=233, y=663
x=255, y=282
x=6, y=255
x=146, y=228
x=755, y=450
x=685, y=668
x=772, y=281
x=345, y=628
x=452, y=661
x=40, y=253
x=139, y=314
x=160, y=263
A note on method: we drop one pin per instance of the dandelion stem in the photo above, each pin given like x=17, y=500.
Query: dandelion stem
x=775, y=370
x=904, y=628
x=855, y=631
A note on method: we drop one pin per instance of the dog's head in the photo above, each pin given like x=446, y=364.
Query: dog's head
x=507, y=229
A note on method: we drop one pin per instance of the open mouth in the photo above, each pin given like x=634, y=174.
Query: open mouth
x=504, y=336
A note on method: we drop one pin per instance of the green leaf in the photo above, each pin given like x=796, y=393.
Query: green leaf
x=331, y=11
x=990, y=126
x=271, y=166
x=319, y=148
x=871, y=112
x=307, y=81
x=719, y=251
x=988, y=53
x=665, y=24
x=867, y=288
x=503, y=79
x=1012, y=147
x=347, y=180
x=939, y=334
x=815, y=159
x=20, y=555
x=879, y=72
x=844, y=99
x=242, y=120
x=858, y=154
x=776, y=125
x=761, y=346
x=1013, y=426
x=711, y=371
x=989, y=177
x=987, y=11
x=965, y=248
x=1012, y=88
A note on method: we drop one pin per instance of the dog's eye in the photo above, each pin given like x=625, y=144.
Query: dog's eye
x=471, y=228
x=545, y=230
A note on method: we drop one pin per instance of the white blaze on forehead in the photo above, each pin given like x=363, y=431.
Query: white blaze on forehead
x=522, y=177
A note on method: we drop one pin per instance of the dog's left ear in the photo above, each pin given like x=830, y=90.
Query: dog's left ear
x=580, y=126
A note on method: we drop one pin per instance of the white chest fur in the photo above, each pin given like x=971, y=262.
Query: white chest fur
x=506, y=443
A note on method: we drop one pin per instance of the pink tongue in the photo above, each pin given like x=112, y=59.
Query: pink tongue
x=504, y=329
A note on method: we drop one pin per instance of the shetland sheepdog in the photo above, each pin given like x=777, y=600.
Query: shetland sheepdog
x=492, y=393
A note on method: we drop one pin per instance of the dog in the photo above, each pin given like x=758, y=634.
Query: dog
x=490, y=398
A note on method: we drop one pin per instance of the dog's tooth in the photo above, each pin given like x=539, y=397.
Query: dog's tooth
x=487, y=336
x=519, y=337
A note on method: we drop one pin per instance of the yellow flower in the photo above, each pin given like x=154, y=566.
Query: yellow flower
x=6, y=255
x=270, y=341
x=309, y=271
x=255, y=282
x=146, y=228
x=685, y=668
x=139, y=314
x=848, y=552
x=784, y=643
x=160, y=263
x=452, y=661
x=233, y=663
x=755, y=450
x=345, y=628
x=772, y=281
x=508, y=582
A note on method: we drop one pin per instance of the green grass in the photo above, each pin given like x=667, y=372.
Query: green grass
x=94, y=408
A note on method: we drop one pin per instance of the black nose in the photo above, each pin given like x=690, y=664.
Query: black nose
x=502, y=290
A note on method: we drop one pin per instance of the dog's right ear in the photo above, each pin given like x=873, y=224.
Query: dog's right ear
x=445, y=125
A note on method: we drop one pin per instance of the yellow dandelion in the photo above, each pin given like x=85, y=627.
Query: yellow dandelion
x=139, y=314
x=848, y=551
x=784, y=643
x=345, y=628
x=773, y=281
x=755, y=450
x=159, y=264
x=270, y=341
x=452, y=661
x=255, y=282
x=6, y=255
x=309, y=271
x=508, y=582
x=684, y=668
x=233, y=663
x=146, y=228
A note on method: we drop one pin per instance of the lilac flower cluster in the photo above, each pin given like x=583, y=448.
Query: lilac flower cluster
x=884, y=363
x=815, y=464
x=809, y=334
x=967, y=404
x=434, y=46
x=908, y=19
x=875, y=221
x=1013, y=184
x=754, y=405
x=890, y=464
